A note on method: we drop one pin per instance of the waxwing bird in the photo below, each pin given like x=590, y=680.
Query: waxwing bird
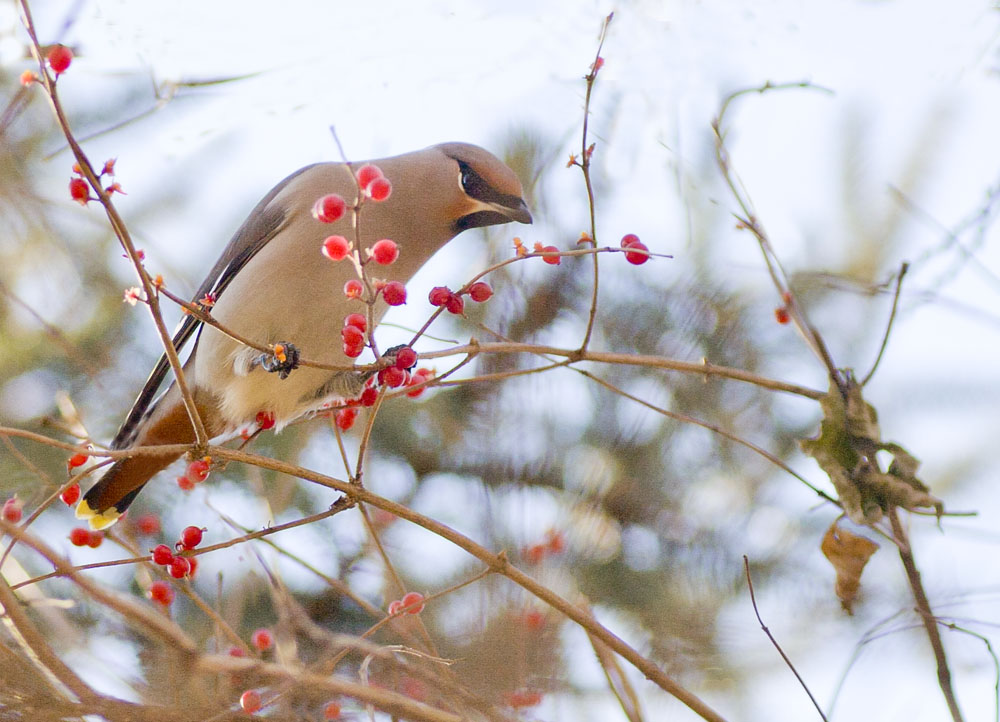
x=272, y=285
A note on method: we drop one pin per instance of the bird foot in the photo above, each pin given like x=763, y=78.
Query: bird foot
x=283, y=359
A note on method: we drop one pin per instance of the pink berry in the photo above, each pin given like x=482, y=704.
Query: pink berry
x=148, y=524
x=549, y=256
x=265, y=420
x=480, y=291
x=345, y=418
x=385, y=252
x=331, y=711
x=357, y=320
x=394, y=293
x=379, y=189
x=12, y=510
x=197, y=470
x=329, y=209
x=455, y=304
x=78, y=536
x=162, y=555
x=185, y=483
x=59, y=57
x=161, y=593
x=79, y=191
x=336, y=248
x=191, y=537
x=628, y=239
x=94, y=538
x=439, y=295
x=250, y=701
x=353, y=288
x=406, y=358
x=368, y=396
x=179, y=567
x=367, y=173
x=262, y=639
x=637, y=253
x=413, y=602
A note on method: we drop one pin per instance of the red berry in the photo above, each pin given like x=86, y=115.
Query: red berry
x=524, y=698
x=329, y=209
x=533, y=619
x=392, y=377
x=94, y=539
x=379, y=189
x=413, y=602
x=262, y=639
x=345, y=418
x=352, y=336
x=353, y=351
x=265, y=420
x=77, y=460
x=79, y=191
x=70, y=495
x=250, y=701
x=781, y=315
x=185, y=483
x=353, y=288
x=394, y=293
x=628, y=239
x=455, y=304
x=198, y=469
x=480, y=291
x=162, y=554
x=385, y=252
x=637, y=253
x=59, y=57
x=394, y=607
x=357, y=320
x=368, y=396
x=192, y=566
x=12, y=510
x=549, y=255
x=179, y=567
x=237, y=652
x=417, y=378
x=331, y=711
x=535, y=553
x=406, y=358
x=148, y=524
x=191, y=537
x=367, y=173
x=336, y=248
x=78, y=536
x=439, y=295
x=161, y=593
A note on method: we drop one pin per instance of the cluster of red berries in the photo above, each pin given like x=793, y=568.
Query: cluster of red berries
x=393, y=376
x=554, y=543
x=178, y=566
x=81, y=537
x=197, y=471
x=79, y=189
x=411, y=603
x=635, y=250
x=353, y=334
x=479, y=292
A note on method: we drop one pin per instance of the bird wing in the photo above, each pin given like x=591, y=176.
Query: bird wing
x=262, y=225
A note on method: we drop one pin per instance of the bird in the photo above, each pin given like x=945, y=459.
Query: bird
x=271, y=285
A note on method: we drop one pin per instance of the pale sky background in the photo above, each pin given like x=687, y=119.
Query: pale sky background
x=394, y=76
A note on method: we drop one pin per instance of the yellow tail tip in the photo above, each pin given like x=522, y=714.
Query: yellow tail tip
x=97, y=520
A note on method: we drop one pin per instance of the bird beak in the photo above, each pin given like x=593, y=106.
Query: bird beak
x=517, y=213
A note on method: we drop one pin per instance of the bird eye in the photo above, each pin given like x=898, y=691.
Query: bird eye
x=465, y=177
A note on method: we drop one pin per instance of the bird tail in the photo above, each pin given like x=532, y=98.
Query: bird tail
x=166, y=423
